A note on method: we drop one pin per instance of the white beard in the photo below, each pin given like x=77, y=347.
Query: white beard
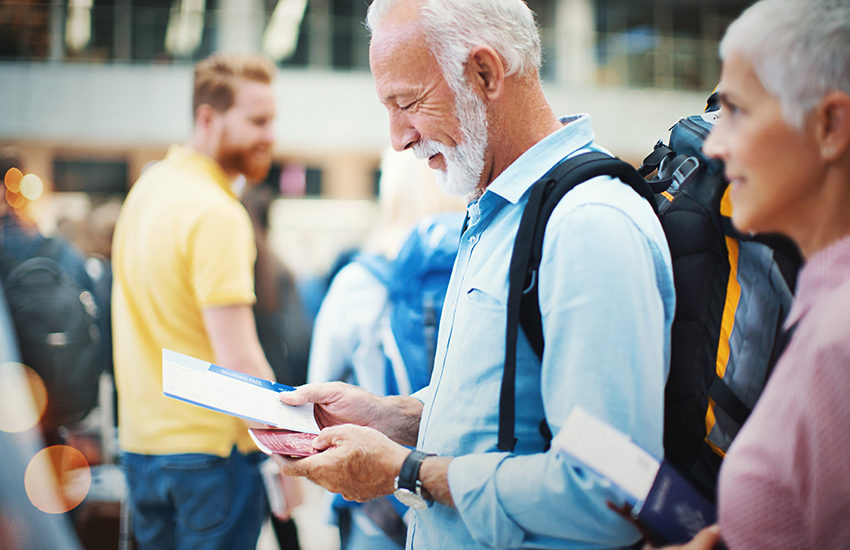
x=465, y=161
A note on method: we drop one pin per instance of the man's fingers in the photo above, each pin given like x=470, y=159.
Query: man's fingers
x=333, y=436
x=289, y=466
x=296, y=397
x=313, y=393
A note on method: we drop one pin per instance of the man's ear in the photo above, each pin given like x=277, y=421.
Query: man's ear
x=204, y=115
x=832, y=119
x=486, y=72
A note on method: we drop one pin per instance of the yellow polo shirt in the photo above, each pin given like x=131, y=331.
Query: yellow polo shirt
x=183, y=242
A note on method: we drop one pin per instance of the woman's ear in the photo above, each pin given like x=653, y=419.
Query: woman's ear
x=486, y=72
x=832, y=120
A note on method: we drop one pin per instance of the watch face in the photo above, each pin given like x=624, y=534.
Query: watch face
x=409, y=498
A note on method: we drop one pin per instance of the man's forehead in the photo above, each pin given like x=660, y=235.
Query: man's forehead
x=244, y=89
x=400, y=66
x=396, y=37
x=403, y=11
x=400, y=23
x=252, y=97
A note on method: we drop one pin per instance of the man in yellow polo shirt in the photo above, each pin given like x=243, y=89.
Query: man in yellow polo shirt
x=183, y=260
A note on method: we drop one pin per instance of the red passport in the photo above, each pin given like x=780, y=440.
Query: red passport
x=279, y=441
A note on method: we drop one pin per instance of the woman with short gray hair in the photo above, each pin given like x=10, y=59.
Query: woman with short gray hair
x=784, y=137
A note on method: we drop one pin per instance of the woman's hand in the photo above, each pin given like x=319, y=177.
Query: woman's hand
x=705, y=540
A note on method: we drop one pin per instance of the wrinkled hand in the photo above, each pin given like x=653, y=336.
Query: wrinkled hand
x=336, y=403
x=705, y=540
x=359, y=463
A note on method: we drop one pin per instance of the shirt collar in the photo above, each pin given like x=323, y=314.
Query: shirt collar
x=576, y=133
x=823, y=273
x=205, y=164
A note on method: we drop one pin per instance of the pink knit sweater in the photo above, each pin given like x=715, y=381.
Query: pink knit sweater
x=785, y=482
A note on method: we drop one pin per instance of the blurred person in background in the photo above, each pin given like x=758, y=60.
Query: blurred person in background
x=183, y=264
x=346, y=340
x=21, y=240
x=19, y=236
x=92, y=235
x=284, y=329
x=283, y=325
x=349, y=337
x=784, y=137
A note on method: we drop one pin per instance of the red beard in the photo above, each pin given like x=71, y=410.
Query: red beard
x=253, y=162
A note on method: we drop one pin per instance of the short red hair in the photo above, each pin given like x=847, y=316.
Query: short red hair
x=217, y=75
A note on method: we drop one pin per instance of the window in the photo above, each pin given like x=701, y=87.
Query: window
x=95, y=176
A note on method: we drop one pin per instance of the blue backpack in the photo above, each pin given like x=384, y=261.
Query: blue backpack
x=416, y=283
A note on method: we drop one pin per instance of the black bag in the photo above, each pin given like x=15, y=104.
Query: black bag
x=56, y=325
x=733, y=294
x=726, y=335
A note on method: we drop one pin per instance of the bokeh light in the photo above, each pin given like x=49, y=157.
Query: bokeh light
x=31, y=186
x=15, y=199
x=20, y=410
x=57, y=479
x=12, y=179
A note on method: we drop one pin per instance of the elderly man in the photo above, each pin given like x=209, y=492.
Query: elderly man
x=460, y=81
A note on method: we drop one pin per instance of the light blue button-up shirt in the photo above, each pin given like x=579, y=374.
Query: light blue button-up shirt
x=607, y=300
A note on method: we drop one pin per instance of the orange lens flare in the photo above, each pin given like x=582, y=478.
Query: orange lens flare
x=57, y=479
x=12, y=179
x=20, y=410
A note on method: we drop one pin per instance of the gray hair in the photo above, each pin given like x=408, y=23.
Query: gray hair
x=799, y=49
x=454, y=27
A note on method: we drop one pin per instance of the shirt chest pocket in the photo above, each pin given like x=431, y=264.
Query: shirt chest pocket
x=483, y=298
x=480, y=321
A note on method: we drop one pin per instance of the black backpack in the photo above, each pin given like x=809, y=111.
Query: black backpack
x=726, y=334
x=56, y=325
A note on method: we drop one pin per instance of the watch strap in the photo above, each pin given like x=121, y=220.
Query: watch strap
x=409, y=474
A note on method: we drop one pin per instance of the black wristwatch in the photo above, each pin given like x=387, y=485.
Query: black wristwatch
x=408, y=488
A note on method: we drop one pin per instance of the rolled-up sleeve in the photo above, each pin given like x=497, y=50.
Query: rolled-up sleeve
x=607, y=303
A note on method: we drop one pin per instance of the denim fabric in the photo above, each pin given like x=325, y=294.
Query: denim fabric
x=201, y=501
x=607, y=303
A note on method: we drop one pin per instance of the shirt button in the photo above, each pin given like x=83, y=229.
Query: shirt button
x=473, y=239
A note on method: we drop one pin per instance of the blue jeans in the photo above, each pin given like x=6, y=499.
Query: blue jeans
x=190, y=501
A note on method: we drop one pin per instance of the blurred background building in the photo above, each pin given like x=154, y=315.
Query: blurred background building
x=93, y=90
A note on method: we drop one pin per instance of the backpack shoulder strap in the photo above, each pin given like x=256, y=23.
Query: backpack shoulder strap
x=523, y=306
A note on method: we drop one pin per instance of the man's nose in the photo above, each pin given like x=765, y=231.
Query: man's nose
x=268, y=135
x=402, y=133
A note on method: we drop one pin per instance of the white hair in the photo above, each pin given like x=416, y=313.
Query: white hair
x=799, y=49
x=454, y=27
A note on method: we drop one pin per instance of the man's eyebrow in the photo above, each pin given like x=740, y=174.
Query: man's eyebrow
x=395, y=96
x=389, y=98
